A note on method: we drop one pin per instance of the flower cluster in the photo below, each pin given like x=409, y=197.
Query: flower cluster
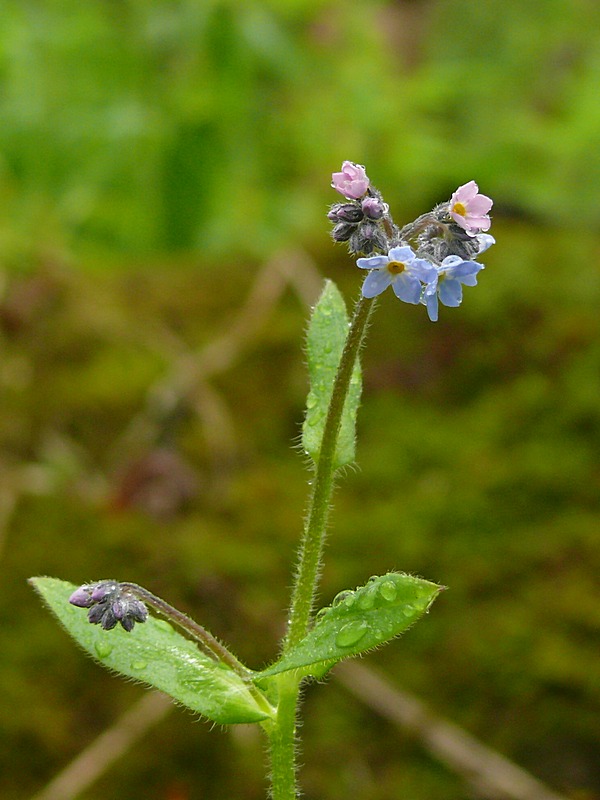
x=427, y=261
x=360, y=221
x=109, y=603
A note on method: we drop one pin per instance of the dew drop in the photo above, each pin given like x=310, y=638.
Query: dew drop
x=388, y=591
x=343, y=597
x=351, y=633
x=139, y=665
x=321, y=613
x=311, y=400
x=103, y=649
x=366, y=600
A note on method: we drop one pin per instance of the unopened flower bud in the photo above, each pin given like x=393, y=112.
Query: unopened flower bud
x=367, y=239
x=109, y=603
x=342, y=232
x=374, y=208
x=103, y=589
x=82, y=597
x=348, y=212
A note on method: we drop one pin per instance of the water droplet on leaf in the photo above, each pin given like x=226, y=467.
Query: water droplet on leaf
x=343, y=597
x=103, y=649
x=366, y=600
x=139, y=665
x=388, y=591
x=351, y=633
x=311, y=400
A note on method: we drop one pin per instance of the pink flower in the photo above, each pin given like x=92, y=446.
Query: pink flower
x=352, y=181
x=470, y=209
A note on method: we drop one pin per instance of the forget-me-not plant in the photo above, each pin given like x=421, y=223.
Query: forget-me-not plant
x=427, y=261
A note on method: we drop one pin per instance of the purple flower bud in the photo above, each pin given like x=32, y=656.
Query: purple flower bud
x=346, y=212
x=367, y=239
x=103, y=589
x=109, y=604
x=342, y=232
x=82, y=597
x=374, y=208
x=102, y=614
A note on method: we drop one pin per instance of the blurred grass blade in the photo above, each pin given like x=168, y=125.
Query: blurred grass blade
x=358, y=621
x=157, y=655
x=327, y=333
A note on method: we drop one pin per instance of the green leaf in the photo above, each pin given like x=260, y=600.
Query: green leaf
x=327, y=333
x=159, y=656
x=359, y=620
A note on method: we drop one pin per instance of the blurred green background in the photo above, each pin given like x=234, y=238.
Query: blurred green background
x=164, y=178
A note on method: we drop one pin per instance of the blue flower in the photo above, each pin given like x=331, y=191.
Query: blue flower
x=448, y=281
x=400, y=269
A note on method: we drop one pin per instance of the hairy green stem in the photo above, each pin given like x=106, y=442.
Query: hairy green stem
x=282, y=741
x=200, y=634
x=282, y=732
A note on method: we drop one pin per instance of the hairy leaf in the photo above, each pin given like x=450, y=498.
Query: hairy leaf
x=359, y=620
x=327, y=333
x=160, y=657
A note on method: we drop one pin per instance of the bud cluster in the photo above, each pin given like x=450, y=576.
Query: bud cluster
x=427, y=260
x=110, y=603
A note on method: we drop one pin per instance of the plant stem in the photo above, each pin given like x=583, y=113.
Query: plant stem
x=313, y=539
x=282, y=741
x=282, y=732
x=200, y=634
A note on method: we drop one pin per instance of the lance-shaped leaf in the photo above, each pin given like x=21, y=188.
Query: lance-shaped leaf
x=157, y=655
x=357, y=621
x=327, y=334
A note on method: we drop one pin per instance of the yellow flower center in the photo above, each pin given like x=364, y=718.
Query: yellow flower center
x=459, y=208
x=396, y=267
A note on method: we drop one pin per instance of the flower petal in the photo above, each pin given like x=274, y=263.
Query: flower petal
x=405, y=254
x=485, y=241
x=450, y=292
x=431, y=302
x=374, y=262
x=465, y=192
x=476, y=224
x=376, y=282
x=423, y=270
x=455, y=267
x=480, y=205
x=407, y=287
